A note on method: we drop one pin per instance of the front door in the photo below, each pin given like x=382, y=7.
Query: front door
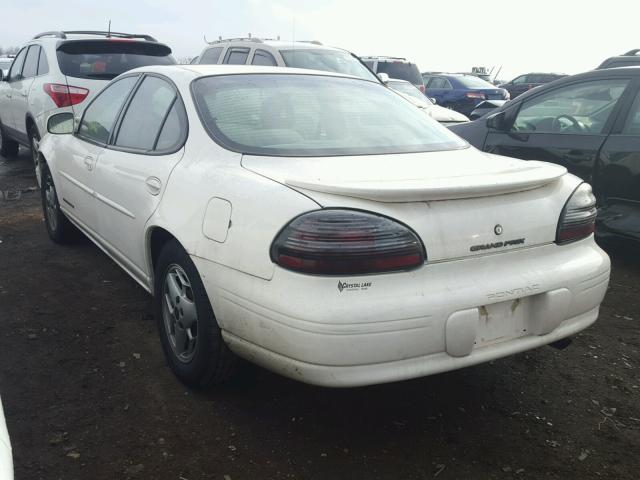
x=567, y=125
x=76, y=182
x=132, y=173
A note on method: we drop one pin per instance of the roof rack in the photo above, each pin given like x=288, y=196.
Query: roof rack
x=314, y=42
x=383, y=57
x=632, y=52
x=63, y=34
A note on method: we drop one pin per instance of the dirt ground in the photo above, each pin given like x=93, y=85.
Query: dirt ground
x=87, y=393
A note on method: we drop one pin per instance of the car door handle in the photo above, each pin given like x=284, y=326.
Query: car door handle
x=89, y=162
x=154, y=185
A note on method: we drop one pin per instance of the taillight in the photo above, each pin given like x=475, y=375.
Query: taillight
x=578, y=217
x=340, y=242
x=421, y=87
x=64, y=95
x=479, y=95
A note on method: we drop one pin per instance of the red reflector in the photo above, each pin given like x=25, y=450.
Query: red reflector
x=574, y=233
x=65, y=95
x=421, y=87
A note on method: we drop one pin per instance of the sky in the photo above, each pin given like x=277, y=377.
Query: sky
x=566, y=36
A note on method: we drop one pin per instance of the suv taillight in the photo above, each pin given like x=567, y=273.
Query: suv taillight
x=341, y=242
x=65, y=96
x=578, y=217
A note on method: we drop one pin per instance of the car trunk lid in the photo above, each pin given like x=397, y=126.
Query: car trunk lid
x=460, y=203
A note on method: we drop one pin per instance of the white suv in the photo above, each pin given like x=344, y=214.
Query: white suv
x=277, y=53
x=62, y=71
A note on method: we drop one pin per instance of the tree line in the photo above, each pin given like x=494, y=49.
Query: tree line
x=9, y=50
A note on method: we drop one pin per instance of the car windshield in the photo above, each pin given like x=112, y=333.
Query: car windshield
x=407, y=89
x=326, y=60
x=314, y=115
x=469, y=81
x=106, y=59
x=402, y=70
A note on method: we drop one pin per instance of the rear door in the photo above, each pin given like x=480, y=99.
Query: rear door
x=76, y=168
x=439, y=88
x=565, y=125
x=132, y=172
x=617, y=178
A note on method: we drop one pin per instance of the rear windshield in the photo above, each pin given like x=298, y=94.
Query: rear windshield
x=469, y=81
x=326, y=60
x=313, y=115
x=402, y=70
x=106, y=59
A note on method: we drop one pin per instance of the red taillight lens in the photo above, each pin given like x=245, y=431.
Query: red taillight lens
x=64, y=95
x=421, y=87
x=479, y=95
x=341, y=242
x=578, y=218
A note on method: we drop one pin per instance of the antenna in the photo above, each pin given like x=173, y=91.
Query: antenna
x=109, y=29
x=249, y=34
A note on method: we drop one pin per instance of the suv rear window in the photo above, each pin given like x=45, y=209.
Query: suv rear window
x=106, y=59
x=402, y=70
x=327, y=60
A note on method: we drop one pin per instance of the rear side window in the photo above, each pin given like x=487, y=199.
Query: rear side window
x=211, y=56
x=632, y=127
x=327, y=60
x=30, y=68
x=43, y=65
x=237, y=56
x=401, y=70
x=106, y=59
x=438, y=82
x=262, y=57
x=100, y=116
x=146, y=114
x=173, y=129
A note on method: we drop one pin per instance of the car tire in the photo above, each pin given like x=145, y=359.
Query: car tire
x=34, y=144
x=198, y=356
x=59, y=228
x=8, y=147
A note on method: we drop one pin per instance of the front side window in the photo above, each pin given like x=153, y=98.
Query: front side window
x=100, y=116
x=326, y=60
x=145, y=114
x=237, y=56
x=16, y=66
x=262, y=57
x=313, y=115
x=211, y=56
x=583, y=108
x=30, y=68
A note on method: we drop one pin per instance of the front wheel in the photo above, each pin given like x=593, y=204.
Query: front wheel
x=190, y=335
x=59, y=228
x=34, y=143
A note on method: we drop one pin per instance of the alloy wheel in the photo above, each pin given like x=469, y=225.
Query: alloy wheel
x=179, y=313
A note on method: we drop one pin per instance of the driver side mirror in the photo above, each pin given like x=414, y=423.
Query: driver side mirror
x=384, y=78
x=61, y=123
x=497, y=121
x=433, y=100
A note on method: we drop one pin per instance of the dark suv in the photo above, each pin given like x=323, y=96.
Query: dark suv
x=631, y=58
x=590, y=123
x=521, y=84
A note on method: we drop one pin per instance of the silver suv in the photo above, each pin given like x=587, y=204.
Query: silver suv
x=63, y=71
x=395, y=67
x=310, y=55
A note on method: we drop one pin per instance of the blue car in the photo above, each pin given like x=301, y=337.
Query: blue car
x=461, y=92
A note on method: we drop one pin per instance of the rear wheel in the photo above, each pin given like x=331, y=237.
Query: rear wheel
x=60, y=229
x=190, y=335
x=8, y=147
x=34, y=143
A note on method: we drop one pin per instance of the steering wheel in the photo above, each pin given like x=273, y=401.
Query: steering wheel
x=558, y=126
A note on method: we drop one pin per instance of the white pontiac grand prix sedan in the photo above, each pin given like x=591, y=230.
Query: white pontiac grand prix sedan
x=319, y=225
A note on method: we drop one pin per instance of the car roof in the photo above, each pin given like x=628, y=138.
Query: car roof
x=382, y=58
x=199, y=70
x=633, y=70
x=277, y=44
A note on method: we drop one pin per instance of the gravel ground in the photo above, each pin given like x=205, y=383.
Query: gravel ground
x=87, y=393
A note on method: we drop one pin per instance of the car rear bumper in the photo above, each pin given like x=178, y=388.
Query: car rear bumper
x=371, y=329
